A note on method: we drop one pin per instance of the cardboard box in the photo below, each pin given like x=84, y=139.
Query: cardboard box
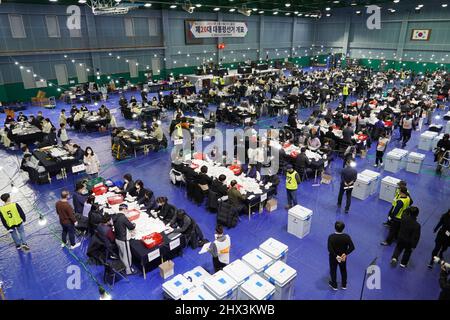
x=326, y=178
x=271, y=205
x=166, y=269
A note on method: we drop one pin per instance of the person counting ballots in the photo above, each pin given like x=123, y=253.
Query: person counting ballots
x=220, y=249
x=292, y=181
x=13, y=218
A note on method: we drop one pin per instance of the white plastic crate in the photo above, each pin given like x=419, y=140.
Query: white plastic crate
x=275, y=249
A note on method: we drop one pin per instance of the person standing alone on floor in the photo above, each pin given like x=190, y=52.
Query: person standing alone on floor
x=67, y=220
x=292, y=182
x=91, y=162
x=348, y=178
x=13, y=218
x=220, y=249
x=340, y=245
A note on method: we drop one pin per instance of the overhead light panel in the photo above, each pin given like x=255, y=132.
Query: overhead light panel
x=287, y=5
x=147, y=5
x=232, y=10
x=216, y=9
x=198, y=5
x=275, y=12
x=261, y=12
x=173, y=6
x=444, y=5
x=328, y=9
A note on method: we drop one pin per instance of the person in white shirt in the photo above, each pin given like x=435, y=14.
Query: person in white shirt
x=47, y=126
x=314, y=143
x=381, y=148
x=220, y=249
x=62, y=134
x=91, y=162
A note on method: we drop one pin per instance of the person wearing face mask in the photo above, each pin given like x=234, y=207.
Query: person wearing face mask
x=128, y=184
x=220, y=249
x=138, y=191
x=165, y=211
x=91, y=162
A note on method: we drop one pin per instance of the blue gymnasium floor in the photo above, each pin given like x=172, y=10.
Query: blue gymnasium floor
x=42, y=274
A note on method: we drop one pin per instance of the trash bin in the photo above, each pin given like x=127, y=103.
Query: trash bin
x=375, y=182
x=275, y=249
x=197, y=276
x=176, y=287
x=257, y=260
x=239, y=271
x=361, y=188
x=415, y=161
x=198, y=293
x=426, y=139
x=256, y=288
x=221, y=286
x=299, y=221
x=388, y=188
x=283, y=278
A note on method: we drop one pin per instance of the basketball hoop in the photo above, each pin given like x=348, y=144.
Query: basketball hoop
x=108, y=7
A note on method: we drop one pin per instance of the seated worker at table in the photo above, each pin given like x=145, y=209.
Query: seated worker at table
x=50, y=139
x=123, y=102
x=235, y=197
x=253, y=172
x=46, y=126
x=78, y=153
x=165, y=211
x=314, y=143
x=21, y=117
x=40, y=119
x=178, y=114
x=133, y=100
x=157, y=132
x=148, y=201
x=83, y=108
x=128, y=184
x=29, y=162
x=145, y=127
x=77, y=119
x=122, y=228
x=138, y=191
x=135, y=109
x=33, y=121
x=155, y=102
x=218, y=186
x=302, y=161
x=203, y=180
x=103, y=111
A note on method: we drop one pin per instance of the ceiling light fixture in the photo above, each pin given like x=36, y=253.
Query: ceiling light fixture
x=173, y=6
x=147, y=5
x=216, y=9
x=287, y=5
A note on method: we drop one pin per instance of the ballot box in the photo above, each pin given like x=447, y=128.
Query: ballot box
x=274, y=249
x=299, y=221
x=375, y=182
x=394, y=159
x=256, y=288
x=361, y=187
x=197, y=276
x=198, y=293
x=221, y=286
x=257, y=260
x=415, y=162
x=404, y=155
x=283, y=278
x=426, y=139
x=388, y=188
x=239, y=271
x=176, y=287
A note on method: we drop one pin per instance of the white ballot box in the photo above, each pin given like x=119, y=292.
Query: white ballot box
x=388, y=188
x=176, y=287
x=221, y=286
x=256, y=288
x=275, y=249
x=257, y=260
x=426, y=139
x=283, y=278
x=393, y=161
x=198, y=293
x=299, y=221
x=239, y=271
x=404, y=154
x=197, y=276
x=375, y=182
x=415, y=161
x=361, y=187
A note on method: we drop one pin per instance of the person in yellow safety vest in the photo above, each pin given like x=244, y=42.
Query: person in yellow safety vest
x=220, y=249
x=403, y=202
x=13, y=218
x=292, y=181
x=401, y=184
x=222, y=82
x=345, y=93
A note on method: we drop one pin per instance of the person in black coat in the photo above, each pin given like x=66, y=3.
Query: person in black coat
x=302, y=161
x=408, y=236
x=128, y=184
x=138, y=191
x=78, y=153
x=442, y=238
x=148, y=201
x=166, y=211
x=218, y=186
x=340, y=245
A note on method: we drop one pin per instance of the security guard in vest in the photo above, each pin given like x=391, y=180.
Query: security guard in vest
x=402, y=203
x=292, y=181
x=401, y=184
x=220, y=249
x=345, y=93
x=13, y=217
